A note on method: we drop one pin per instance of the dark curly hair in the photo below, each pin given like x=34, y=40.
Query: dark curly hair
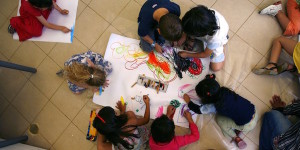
x=41, y=3
x=163, y=129
x=112, y=127
x=200, y=21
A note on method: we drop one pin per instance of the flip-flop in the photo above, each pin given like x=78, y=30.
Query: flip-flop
x=284, y=67
x=267, y=71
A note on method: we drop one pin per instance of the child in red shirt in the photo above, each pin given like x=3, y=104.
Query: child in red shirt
x=163, y=132
x=33, y=17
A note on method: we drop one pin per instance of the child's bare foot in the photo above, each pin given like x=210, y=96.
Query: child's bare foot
x=240, y=142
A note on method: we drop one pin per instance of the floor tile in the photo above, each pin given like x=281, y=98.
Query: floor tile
x=13, y=80
x=259, y=31
x=46, y=79
x=7, y=6
x=3, y=104
x=237, y=16
x=3, y=58
x=80, y=8
x=7, y=43
x=74, y=139
x=68, y=102
x=12, y=123
x=250, y=145
x=89, y=27
x=254, y=134
x=126, y=22
x=51, y=122
x=25, y=52
x=108, y=9
x=62, y=52
x=45, y=46
x=291, y=92
x=29, y=101
x=260, y=107
x=225, y=79
x=86, y=1
x=207, y=3
x=240, y=58
x=101, y=43
x=82, y=119
x=256, y=2
x=141, y=2
x=2, y=19
x=184, y=6
x=37, y=140
x=265, y=86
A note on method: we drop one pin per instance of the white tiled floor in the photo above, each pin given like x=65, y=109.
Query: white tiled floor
x=62, y=117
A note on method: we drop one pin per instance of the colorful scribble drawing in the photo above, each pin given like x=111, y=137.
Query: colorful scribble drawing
x=192, y=66
x=188, y=89
x=139, y=100
x=131, y=53
x=181, y=118
x=161, y=67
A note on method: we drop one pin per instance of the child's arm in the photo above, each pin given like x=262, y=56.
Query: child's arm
x=148, y=39
x=146, y=118
x=102, y=144
x=192, y=106
x=207, y=52
x=52, y=26
x=193, y=136
x=62, y=11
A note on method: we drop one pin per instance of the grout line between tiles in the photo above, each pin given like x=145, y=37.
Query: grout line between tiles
x=61, y=133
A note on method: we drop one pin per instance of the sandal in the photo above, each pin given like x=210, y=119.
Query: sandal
x=10, y=29
x=267, y=71
x=284, y=67
x=60, y=73
x=240, y=143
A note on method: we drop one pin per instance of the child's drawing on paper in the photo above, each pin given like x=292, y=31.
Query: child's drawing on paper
x=131, y=53
x=161, y=67
x=180, y=118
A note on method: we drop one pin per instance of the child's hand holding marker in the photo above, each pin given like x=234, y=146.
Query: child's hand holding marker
x=146, y=99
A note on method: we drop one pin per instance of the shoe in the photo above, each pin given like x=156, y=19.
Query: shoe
x=272, y=9
x=60, y=73
x=266, y=71
x=10, y=29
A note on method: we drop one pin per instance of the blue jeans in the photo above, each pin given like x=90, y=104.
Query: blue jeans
x=145, y=46
x=274, y=123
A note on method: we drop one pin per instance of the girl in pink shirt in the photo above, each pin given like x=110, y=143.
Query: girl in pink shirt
x=163, y=132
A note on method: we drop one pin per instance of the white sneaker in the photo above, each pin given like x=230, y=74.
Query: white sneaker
x=272, y=9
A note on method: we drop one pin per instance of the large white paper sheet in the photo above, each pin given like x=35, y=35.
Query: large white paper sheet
x=128, y=62
x=55, y=17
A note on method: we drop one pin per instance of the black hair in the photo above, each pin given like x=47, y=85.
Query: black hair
x=162, y=129
x=41, y=3
x=210, y=91
x=170, y=27
x=112, y=127
x=200, y=21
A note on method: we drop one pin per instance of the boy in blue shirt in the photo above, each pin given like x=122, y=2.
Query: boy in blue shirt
x=158, y=20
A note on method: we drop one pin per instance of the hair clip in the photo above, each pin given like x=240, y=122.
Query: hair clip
x=92, y=76
x=208, y=94
x=100, y=118
x=211, y=76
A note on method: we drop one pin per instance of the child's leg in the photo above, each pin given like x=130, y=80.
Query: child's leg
x=217, y=63
x=282, y=19
x=293, y=26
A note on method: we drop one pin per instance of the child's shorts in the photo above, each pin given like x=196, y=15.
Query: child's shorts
x=296, y=56
x=217, y=59
x=293, y=13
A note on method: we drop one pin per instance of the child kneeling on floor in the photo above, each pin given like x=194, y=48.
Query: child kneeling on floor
x=124, y=131
x=33, y=17
x=163, y=132
x=235, y=114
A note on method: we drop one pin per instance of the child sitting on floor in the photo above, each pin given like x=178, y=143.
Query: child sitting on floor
x=290, y=23
x=235, y=114
x=292, y=47
x=163, y=132
x=33, y=16
x=86, y=70
x=210, y=27
x=124, y=131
